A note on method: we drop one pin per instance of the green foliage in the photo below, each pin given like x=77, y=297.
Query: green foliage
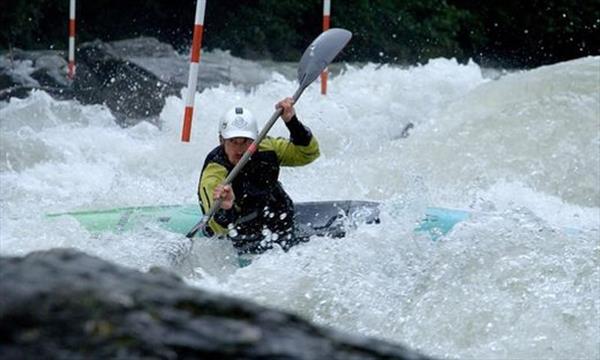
x=22, y=19
x=262, y=28
x=496, y=32
x=535, y=32
x=403, y=31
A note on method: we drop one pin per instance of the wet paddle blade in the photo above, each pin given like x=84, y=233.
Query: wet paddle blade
x=320, y=53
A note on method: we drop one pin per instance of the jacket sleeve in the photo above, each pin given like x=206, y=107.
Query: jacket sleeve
x=212, y=176
x=301, y=149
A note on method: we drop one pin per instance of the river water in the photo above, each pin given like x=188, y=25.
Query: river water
x=520, y=279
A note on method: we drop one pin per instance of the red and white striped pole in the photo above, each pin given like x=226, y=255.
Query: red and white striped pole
x=326, y=13
x=193, y=75
x=71, y=66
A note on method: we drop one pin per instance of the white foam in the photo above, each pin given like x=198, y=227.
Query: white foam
x=522, y=152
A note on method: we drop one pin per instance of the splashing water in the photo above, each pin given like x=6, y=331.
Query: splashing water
x=519, y=279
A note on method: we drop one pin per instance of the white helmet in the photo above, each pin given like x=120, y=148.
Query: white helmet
x=238, y=122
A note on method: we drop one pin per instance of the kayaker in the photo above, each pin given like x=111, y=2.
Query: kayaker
x=255, y=209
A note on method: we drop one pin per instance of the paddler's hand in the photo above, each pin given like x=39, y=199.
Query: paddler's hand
x=287, y=107
x=225, y=193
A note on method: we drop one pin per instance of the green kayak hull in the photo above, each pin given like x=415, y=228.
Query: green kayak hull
x=313, y=218
x=174, y=218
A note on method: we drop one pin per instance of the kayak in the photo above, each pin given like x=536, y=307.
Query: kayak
x=320, y=218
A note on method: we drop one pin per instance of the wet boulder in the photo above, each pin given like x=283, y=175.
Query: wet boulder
x=22, y=71
x=66, y=304
x=104, y=75
x=132, y=77
x=131, y=92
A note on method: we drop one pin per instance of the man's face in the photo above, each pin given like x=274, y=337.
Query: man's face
x=235, y=148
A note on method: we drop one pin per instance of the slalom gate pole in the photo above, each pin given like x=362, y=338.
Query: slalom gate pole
x=193, y=74
x=326, y=14
x=71, y=66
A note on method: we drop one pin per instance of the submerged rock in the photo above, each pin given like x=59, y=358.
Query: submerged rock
x=66, y=304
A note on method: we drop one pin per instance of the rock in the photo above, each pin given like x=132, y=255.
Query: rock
x=51, y=70
x=215, y=67
x=142, y=46
x=23, y=71
x=131, y=77
x=129, y=91
x=6, y=80
x=65, y=304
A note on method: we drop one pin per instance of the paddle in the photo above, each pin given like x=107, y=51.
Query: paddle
x=314, y=60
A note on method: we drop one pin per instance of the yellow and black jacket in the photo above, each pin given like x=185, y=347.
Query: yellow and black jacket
x=260, y=203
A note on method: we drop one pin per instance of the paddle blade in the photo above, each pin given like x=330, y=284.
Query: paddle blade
x=320, y=53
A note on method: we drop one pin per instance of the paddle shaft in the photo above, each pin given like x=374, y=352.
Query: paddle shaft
x=243, y=161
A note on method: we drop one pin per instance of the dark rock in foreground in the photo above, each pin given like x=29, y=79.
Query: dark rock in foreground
x=67, y=305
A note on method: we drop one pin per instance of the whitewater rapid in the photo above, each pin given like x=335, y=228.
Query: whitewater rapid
x=520, y=279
